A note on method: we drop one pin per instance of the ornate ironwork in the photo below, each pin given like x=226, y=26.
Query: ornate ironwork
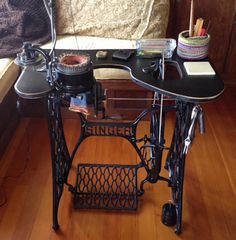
x=116, y=186
x=61, y=162
x=187, y=115
x=106, y=186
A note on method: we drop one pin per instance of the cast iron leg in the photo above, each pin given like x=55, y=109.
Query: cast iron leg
x=152, y=150
x=59, y=153
x=176, y=157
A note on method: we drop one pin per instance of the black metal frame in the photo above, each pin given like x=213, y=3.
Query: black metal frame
x=147, y=75
x=150, y=152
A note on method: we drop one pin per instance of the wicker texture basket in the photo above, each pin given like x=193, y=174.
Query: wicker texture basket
x=194, y=48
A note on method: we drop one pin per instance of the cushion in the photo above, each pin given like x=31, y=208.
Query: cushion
x=133, y=19
x=8, y=74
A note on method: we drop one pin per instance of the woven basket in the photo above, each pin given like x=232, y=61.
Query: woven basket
x=194, y=48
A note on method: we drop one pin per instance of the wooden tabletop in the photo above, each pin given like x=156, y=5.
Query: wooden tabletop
x=176, y=84
x=187, y=88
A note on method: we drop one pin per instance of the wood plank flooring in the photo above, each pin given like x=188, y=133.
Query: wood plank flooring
x=209, y=193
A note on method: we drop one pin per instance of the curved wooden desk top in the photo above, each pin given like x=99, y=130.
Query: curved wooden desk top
x=186, y=88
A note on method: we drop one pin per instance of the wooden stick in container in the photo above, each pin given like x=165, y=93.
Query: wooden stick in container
x=191, y=19
x=198, y=27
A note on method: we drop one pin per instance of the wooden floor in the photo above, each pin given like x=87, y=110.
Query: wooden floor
x=209, y=197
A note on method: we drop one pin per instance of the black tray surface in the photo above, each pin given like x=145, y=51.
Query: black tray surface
x=176, y=84
x=188, y=88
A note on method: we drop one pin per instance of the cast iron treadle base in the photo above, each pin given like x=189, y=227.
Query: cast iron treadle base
x=106, y=186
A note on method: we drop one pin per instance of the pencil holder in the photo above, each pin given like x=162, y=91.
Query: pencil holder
x=194, y=48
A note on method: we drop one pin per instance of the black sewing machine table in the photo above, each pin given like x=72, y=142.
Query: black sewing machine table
x=114, y=186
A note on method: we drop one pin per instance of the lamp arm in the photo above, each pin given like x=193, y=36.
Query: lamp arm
x=47, y=57
x=50, y=6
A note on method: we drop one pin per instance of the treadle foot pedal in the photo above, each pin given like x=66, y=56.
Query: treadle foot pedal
x=106, y=186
